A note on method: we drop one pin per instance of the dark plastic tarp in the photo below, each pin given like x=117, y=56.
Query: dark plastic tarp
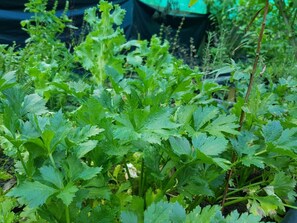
x=140, y=20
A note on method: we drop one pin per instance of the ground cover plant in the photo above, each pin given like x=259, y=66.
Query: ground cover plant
x=121, y=131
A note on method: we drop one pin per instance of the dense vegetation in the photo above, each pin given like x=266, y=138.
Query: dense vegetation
x=110, y=130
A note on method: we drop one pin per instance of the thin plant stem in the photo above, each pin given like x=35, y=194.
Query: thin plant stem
x=127, y=171
x=290, y=206
x=141, y=180
x=251, y=82
x=235, y=201
x=241, y=189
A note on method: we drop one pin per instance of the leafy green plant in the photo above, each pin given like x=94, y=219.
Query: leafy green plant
x=146, y=139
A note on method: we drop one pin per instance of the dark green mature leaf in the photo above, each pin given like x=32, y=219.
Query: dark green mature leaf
x=246, y=149
x=90, y=214
x=234, y=216
x=68, y=193
x=85, y=115
x=149, y=125
x=283, y=141
x=203, y=115
x=30, y=129
x=160, y=120
x=178, y=214
x=288, y=140
x=196, y=187
x=34, y=194
x=210, y=214
x=272, y=131
x=164, y=212
x=89, y=172
x=253, y=160
x=85, y=147
x=244, y=144
x=129, y=217
x=77, y=170
x=211, y=146
x=56, y=131
x=221, y=162
x=81, y=134
x=184, y=113
x=277, y=110
x=34, y=104
x=284, y=186
x=223, y=124
x=14, y=98
x=126, y=131
x=180, y=146
x=7, y=80
x=51, y=175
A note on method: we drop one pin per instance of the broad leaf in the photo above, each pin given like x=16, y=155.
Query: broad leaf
x=203, y=115
x=7, y=80
x=128, y=217
x=51, y=175
x=34, y=104
x=82, y=149
x=84, y=133
x=164, y=212
x=284, y=141
x=34, y=194
x=67, y=194
x=234, y=216
x=211, y=146
x=77, y=170
x=207, y=214
x=284, y=185
x=272, y=131
x=180, y=146
x=223, y=124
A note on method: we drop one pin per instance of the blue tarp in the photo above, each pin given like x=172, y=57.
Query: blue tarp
x=140, y=20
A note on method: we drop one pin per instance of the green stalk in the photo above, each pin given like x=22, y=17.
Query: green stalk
x=22, y=160
x=261, y=152
x=241, y=189
x=290, y=206
x=141, y=180
x=67, y=214
x=235, y=201
x=127, y=171
x=52, y=160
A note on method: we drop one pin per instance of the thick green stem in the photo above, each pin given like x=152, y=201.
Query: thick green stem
x=22, y=161
x=67, y=214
